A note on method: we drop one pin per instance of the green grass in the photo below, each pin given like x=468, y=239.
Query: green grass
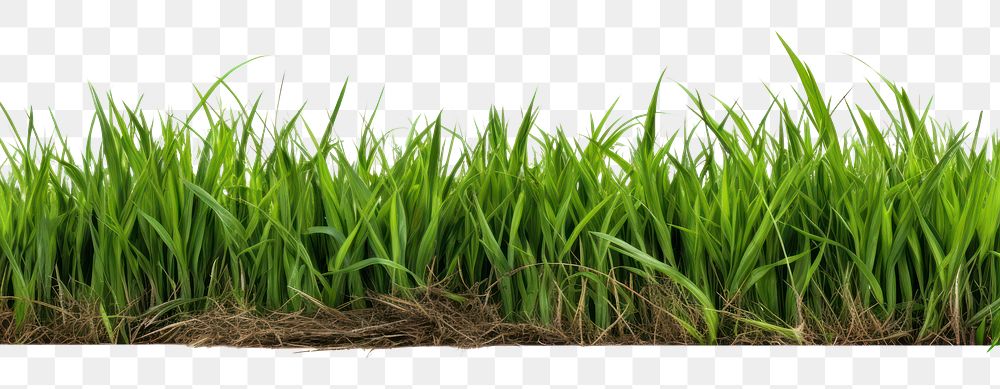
x=793, y=234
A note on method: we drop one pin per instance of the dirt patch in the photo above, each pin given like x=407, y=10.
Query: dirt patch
x=428, y=319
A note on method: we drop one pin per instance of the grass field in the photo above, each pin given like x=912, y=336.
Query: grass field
x=887, y=235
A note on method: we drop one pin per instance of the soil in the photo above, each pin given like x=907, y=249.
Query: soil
x=430, y=319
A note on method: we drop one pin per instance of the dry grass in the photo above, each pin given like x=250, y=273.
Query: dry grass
x=430, y=319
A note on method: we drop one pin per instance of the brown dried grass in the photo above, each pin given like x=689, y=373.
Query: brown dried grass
x=430, y=318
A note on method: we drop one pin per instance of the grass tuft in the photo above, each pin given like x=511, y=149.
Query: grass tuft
x=802, y=235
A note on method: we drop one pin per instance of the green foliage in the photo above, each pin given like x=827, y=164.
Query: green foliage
x=767, y=229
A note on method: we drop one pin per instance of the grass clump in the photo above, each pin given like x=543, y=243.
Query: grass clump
x=888, y=235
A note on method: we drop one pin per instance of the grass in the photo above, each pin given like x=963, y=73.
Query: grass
x=888, y=234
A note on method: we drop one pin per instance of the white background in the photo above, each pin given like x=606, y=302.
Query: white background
x=461, y=57
x=579, y=56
